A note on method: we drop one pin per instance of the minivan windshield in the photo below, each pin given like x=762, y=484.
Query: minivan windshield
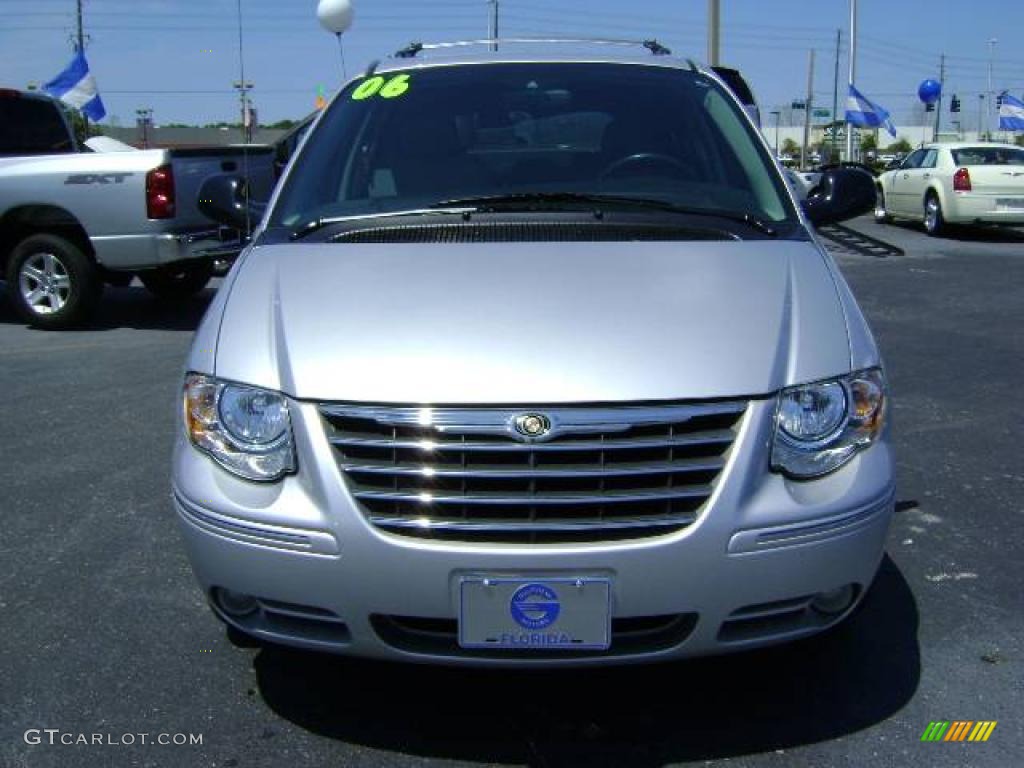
x=408, y=140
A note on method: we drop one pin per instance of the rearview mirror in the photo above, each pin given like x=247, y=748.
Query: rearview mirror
x=842, y=193
x=225, y=199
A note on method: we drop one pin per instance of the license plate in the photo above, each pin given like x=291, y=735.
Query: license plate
x=546, y=614
x=1010, y=203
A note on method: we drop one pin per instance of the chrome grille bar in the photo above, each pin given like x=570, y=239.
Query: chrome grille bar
x=592, y=474
x=719, y=436
x=425, y=498
x=684, y=465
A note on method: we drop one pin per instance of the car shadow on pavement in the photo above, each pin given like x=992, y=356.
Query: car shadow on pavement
x=131, y=307
x=963, y=232
x=843, y=681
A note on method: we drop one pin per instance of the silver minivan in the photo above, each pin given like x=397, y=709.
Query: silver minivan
x=535, y=361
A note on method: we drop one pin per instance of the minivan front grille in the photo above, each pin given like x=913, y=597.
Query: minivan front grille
x=590, y=474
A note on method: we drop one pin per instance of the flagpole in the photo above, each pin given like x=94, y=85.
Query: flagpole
x=853, y=72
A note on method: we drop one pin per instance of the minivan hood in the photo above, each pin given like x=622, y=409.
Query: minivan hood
x=516, y=323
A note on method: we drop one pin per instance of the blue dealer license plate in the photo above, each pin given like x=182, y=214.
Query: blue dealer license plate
x=548, y=614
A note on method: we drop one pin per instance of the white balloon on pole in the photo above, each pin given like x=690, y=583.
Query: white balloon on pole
x=335, y=15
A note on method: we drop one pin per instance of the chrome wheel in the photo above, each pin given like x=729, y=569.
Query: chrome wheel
x=881, y=215
x=44, y=283
x=931, y=214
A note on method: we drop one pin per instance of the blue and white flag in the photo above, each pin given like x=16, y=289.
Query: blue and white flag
x=76, y=87
x=864, y=113
x=1011, y=114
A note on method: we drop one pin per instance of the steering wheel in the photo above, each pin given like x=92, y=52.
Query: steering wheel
x=655, y=158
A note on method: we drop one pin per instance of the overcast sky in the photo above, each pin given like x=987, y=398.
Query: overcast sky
x=180, y=56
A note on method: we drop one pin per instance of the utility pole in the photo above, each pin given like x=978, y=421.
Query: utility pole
x=835, y=99
x=81, y=34
x=853, y=71
x=938, y=104
x=714, y=31
x=494, y=24
x=81, y=49
x=808, y=106
x=243, y=87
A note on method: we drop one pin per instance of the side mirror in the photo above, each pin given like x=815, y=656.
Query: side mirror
x=225, y=199
x=841, y=193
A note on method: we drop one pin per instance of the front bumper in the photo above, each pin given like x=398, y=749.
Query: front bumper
x=739, y=577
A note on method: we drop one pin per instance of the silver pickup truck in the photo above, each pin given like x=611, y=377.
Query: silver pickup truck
x=71, y=221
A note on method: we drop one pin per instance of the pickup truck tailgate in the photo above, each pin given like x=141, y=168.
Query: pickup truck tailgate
x=193, y=166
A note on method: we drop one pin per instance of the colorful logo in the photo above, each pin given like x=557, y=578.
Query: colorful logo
x=534, y=606
x=958, y=730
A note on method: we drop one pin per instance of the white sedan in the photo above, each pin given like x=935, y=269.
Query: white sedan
x=961, y=183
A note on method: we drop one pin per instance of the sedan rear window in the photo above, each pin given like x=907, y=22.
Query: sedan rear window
x=988, y=156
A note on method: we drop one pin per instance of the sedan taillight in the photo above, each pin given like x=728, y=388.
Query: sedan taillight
x=160, y=193
x=961, y=180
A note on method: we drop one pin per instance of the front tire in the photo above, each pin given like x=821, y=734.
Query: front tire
x=176, y=282
x=51, y=282
x=934, y=222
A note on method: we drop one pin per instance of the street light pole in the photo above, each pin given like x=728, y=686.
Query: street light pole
x=853, y=71
x=714, y=31
x=494, y=24
x=808, y=106
x=144, y=120
x=991, y=95
x=835, y=99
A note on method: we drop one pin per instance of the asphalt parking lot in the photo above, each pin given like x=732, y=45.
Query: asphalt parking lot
x=102, y=629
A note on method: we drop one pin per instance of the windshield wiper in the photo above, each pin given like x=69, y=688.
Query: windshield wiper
x=527, y=199
x=317, y=224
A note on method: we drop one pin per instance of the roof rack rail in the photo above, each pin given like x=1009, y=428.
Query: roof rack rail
x=414, y=48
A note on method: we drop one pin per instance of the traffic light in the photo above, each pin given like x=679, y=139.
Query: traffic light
x=954, y=105
x=999, y=100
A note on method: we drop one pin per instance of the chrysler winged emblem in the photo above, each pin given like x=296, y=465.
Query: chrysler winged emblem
x=532, y=425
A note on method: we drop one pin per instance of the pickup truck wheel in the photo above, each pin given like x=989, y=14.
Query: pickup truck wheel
x=51, y=282
x=178, y=281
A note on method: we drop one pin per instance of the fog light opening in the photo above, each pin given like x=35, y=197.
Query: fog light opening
x=236, y=604
x=835, y=601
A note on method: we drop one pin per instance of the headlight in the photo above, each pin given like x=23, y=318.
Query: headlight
x=819, y=427
x=245, y=429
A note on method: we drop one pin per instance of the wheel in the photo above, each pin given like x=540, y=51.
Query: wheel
x=178, y=281
x=649, y=158
x=51, y=282
x=881, y=214
x=934, y=223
